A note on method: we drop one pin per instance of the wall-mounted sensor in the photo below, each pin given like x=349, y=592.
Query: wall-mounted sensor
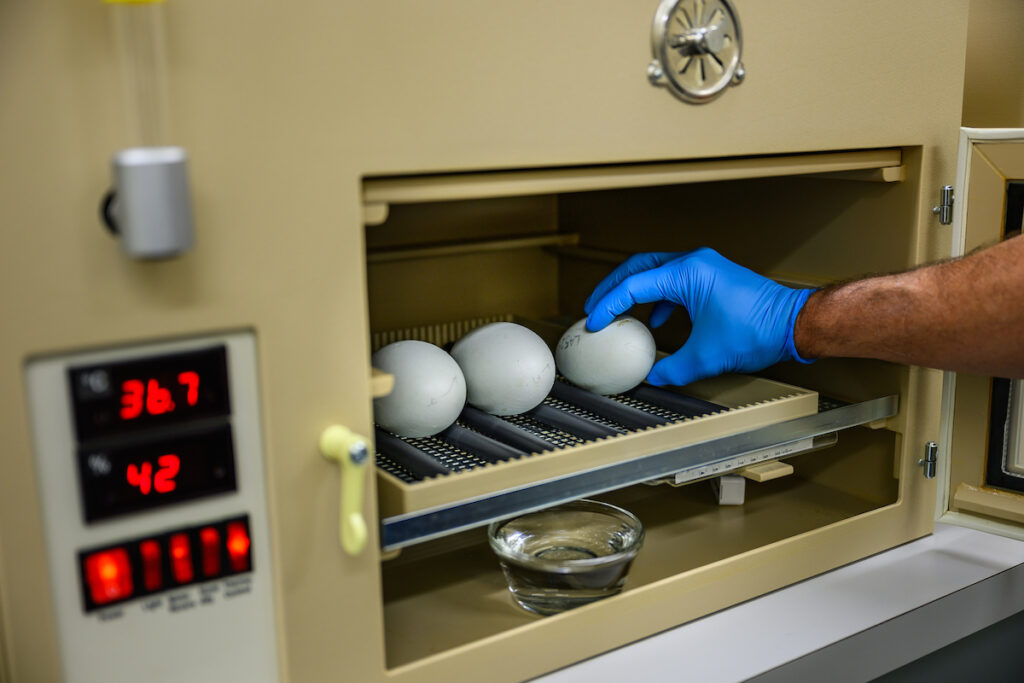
x=149, y=207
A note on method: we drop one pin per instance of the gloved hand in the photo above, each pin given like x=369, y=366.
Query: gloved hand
x=742, y=322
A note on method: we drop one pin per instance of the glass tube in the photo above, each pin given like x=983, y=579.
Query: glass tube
x=141, y=51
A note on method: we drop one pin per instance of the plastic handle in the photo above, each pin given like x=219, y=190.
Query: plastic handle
x=351, y=451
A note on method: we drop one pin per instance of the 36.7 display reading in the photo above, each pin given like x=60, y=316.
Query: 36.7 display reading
x=147, y=397
x=126, y=396
x=141, y=473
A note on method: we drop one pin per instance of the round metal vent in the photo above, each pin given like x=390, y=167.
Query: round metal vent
x=697, y=45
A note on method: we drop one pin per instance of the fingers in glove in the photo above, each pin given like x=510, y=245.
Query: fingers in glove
x=642, y=288
x=685, y=366
x=637, y=263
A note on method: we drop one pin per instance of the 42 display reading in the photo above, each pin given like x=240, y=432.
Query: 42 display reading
x=123, y=397
x=140, y=474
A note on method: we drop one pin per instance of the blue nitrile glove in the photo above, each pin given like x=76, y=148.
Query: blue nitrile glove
x=742, y=322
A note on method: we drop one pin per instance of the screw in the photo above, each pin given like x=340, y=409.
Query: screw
x=358, y=453
x=655, y=72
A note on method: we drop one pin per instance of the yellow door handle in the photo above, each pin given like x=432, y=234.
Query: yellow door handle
x=351, y=451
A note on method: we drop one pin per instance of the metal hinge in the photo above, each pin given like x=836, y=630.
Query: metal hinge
x=931, y=451
x=944, y=209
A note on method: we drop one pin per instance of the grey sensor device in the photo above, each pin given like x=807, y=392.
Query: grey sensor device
x=150, y=206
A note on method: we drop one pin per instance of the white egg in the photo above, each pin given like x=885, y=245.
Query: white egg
x=429, y=392
x=609, y=361
x=508, y=368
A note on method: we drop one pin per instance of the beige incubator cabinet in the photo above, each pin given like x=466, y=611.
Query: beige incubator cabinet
x=360, y=173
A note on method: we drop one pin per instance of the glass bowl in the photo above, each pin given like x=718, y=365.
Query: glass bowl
x=566, y=556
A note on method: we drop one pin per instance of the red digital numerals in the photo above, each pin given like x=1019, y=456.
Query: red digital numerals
x=142, y=477
x=138, y=397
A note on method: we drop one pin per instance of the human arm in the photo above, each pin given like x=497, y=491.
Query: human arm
x=962, y=315
x=965, y=315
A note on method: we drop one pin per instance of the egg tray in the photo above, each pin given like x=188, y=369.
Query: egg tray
x=570, y=432
x=568, y=417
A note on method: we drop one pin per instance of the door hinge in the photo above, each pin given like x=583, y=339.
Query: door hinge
x=931, y=451
x=944, y=209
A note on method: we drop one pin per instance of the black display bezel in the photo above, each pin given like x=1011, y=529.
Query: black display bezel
x=96, y=405
x=108, y=495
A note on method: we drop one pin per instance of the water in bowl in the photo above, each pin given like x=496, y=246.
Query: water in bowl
x=568, y=556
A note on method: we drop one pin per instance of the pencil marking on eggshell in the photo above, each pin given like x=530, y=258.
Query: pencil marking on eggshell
x=610, y=361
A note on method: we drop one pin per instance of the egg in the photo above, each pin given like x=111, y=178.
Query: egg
x=429, y=391
x=610, y=361
x=508, y=368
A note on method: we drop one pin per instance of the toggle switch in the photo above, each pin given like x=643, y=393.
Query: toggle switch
x=109, y=575
x=181, y=558
x=238, y=546
x=209, y=538
x=152, y=568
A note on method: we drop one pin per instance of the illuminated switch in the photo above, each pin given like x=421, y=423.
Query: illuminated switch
x=152, y=569
x=109, y=575
x=238, y=546
x=181, y=558
x=209, y=538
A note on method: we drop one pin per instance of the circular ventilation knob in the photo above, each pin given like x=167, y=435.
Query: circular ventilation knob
x=697, y=46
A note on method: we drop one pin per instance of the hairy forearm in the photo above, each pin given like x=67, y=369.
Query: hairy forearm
x=965, y=315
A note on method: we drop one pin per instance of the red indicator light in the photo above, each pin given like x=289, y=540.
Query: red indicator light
x=152, y=571
x=238, y=546
x=210, y=539
x=181, y=558
x=109, y=575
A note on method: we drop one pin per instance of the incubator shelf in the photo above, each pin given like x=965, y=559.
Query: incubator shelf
x=577, y=444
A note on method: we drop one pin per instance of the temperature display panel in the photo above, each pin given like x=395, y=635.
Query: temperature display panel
x=124, y=397
x=144, y=474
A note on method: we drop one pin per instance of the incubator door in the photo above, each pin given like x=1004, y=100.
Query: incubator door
x=982, y=462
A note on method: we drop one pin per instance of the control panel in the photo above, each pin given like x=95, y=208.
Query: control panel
x=152, y=485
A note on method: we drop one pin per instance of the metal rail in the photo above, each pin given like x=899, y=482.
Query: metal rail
x=423, y=525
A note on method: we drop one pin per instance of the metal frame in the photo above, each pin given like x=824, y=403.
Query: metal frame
x=423, y=525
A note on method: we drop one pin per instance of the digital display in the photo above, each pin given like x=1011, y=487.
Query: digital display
x=123, y=397
x=148, y=473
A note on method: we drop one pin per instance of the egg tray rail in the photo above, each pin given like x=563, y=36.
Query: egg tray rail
x=568, y=417
x=662, y=458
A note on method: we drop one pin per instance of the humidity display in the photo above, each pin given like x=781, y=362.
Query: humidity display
x=144, y=474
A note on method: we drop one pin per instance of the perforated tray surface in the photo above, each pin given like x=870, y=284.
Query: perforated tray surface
x=456, y=459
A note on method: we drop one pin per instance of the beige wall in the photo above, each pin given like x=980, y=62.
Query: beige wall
x=994, y=81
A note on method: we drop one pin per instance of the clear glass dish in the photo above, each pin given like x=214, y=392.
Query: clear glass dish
x=566, y=556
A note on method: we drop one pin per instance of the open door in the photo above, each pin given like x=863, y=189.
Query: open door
x=982, y=448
